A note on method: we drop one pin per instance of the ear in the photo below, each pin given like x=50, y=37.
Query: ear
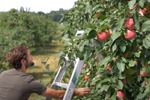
x=22, y=61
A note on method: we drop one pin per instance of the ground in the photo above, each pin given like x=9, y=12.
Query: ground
x=38, y=70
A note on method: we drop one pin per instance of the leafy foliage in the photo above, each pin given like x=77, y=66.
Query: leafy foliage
x=128, y=59
x=23, y=29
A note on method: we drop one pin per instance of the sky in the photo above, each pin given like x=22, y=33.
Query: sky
x=37, y=5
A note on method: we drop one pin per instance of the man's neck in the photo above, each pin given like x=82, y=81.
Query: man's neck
x=23, y=69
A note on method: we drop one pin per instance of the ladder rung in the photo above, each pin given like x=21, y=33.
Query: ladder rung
x=64, y=85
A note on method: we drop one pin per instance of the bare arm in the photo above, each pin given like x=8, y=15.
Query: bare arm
x=59, y=94
x=51, y=93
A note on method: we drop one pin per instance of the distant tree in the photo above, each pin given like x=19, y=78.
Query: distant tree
x=23, y=28
x=57, y=15
x=41, y=13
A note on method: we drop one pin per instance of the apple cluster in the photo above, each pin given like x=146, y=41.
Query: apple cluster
x=129, y=35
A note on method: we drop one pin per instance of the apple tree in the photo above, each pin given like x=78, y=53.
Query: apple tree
x=21, y=28
x=117, y=32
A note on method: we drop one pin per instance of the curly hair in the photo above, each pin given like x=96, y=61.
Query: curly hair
x=15, y=55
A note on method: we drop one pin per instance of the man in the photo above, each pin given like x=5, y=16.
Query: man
x=15, y=84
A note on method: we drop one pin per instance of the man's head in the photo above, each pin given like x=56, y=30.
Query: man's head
x=19, y=56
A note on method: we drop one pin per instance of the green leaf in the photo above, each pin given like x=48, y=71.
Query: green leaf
x=45, y=74
x=113, y=97
x=66, y=40
x=91, y=34
x=96, y=7
x=146, y=26
x=130, y=79
x=47, y=67
x=146, y=43
x=83, y=44
x=137, y=54
x=104, y=88
x=121, y=21
x=120, y=66
x=114, y=47
x=61, y=53
x=123, y=59
x=131, y=63
x=147, y=89
x=115, y=35
x=136, y=20
x=122, y=46
x=100, y=10
x=143, y=70
x=94, y=80
x=141, y=96
x=148, y=1
x=120, y=85
x=105, y=61
x=88, y=9
x=102, y=17
x=148, y=70
x=141, y=3
x=148, y=36
x=131, y=3
x=114, y=28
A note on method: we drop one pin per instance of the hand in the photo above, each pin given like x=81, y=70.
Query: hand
x=82, y=91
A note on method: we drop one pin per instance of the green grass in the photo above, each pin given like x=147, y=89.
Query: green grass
x=38, y=70
x=42, y=53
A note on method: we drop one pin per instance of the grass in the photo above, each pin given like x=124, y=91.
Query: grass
x=38, y=69
x=42, y=53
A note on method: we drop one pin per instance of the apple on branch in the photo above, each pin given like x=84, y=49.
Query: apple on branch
x=86, y=77
x=143, y=10
x=109, y=32
x=130, y=24
x=130, y=34
x=98, y=14
x=108, y=67
x=120, y=94
x=102, y=36
x=143, y=74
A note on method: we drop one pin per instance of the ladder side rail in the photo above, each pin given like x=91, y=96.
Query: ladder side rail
x=62, y=71
x=74, y=78
x=59, y=76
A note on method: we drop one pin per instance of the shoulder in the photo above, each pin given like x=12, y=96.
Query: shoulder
x=18, y=74
x=28, y=78
x=7, y=71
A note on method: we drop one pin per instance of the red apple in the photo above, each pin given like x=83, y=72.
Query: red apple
x=146, y=83
x=124, y=81
x=120, y=94
x=109, y=32
x=3, y=63
x=143, y=11
x=136, y=63
x=84, y=65
x=96, y=64
x=130, y=24
x=102, y=36
x=115, y=59
x=89, y=16
x=98, y=14
x=143, y=74
x=86, y=77
x=130, y=34
x=95, y=55
x=127, y=54
x=108, y=67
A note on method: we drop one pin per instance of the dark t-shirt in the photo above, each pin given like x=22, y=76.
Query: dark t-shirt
x=17, y=85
